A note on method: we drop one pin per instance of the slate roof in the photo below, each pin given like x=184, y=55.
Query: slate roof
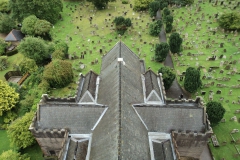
x=77, y=149
x=120, y=134
x=172, y=117
x=163, y=150
x=14, y=36
x=78, y=118
x=151, y=82
x=90, y=83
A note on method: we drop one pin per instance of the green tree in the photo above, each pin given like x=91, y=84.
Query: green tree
x=175, y=42
x=122, y=24
x=58, y=54
x=8, y=97
x=6, y=23
x=155, y=28
x=100, y=4
x=18, y=131
x=4, y=6
x=168, y=19
x=161, y=51
x=163, y=4
x=168, y=76
x=42, y=27
x=168, y=27
x=34, y=48
x=215, y=111
x=153, y=8
x=13, y=155
x=140, y=5
x=61, y=45
x=192, y=80
x=3, y=46
x=27, y=65
x=230, y=21
x=28, y=25
x=58, y=73
x=44, y=9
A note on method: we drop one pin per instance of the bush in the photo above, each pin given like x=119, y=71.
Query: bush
x=155, y=28
x=11, y=53
x=3, y=63
x=168, y=28
x=58, y=54
x=3, y=46
x=124, y=1
x=140, y=5
x=230, y=21
x=192, y=80
x=168, y=76
x=161, y=51
x=215, y=112
x=28, y=65
x=58, y=73
x=122, y=24
x=153, y=8
x=4, y=6
x=175, y=42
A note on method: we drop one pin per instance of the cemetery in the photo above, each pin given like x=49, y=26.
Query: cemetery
x=91, y=33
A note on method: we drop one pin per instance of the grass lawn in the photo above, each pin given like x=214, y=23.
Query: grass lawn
x=5, y=144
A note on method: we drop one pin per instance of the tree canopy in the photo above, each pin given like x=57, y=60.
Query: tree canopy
x=27, y=65
x=192, y=79
x=100, y=4
x=45, y=9
x=168, y=76
x=140, y=5
x=215, y=111
x=122, y=24
x=58, y=73
x=175, y=42
x=3, y=46
x=4, y=6
x=18, y=131
x=161, y=51
x=230, y=21
x=155, y=28
x=153, y=8
x=13, y=155
x=8, y=97
x=34, y=48
x=6, y=23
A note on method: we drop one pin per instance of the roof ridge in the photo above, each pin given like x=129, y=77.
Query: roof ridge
x=120, y=106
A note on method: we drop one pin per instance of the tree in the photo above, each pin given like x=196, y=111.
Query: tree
x=161, y=51
x=8, y=97
x=100, y=4
x=28, y=25
x=3, y=46
x=18, y=131
x=155, y=28
x=6, y=23
x=168, y=76
x=192, y=80
x=153, y=8
x=163, y=4
x=58, y=54
x=175, y=42
x=42, y=27
x=58, y=73
x=13, y=155
x=27, y=65
x=168, y=19
x=215, y=111
x=168, y=28
x=4, y=6
x=230, y=21
x=34, y=48
x=122, y=24
x=44, y=9
x=140, y=5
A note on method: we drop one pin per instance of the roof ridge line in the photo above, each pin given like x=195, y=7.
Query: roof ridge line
x=120, y=105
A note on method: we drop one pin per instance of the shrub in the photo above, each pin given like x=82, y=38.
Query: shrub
x=168, y=76
x=3, y=46
x=175, y=42
x=215, y=112
x=161, y=51
x=124, y=1
x=27, y=65
x=6, y=23
x=192, y=80
x=122, y=24
x=155, y=28
x=11, y=53
x=168, y=28
x=140, y=5
x=230, y=21
x=153, y=8
x=3, y=63
x=4, y=6
x=58, y=73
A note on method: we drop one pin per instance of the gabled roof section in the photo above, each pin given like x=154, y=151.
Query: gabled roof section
x=168, y=118
x=151, y=82
x=87, y=98
x=120, y=134
x=77, y=118
x=14, y=36
x=90, y=83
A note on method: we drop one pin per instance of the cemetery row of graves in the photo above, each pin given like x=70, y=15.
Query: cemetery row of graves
x=205, y=45
x=217, y=53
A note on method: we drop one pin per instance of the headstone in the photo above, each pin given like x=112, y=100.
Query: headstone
x=219, y=91
x=228, y=67
x=203, y=93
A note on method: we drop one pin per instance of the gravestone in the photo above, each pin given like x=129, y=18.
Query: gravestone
x=228, y=67
x=203, y=93
x=221, y=71
x=221, y=56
